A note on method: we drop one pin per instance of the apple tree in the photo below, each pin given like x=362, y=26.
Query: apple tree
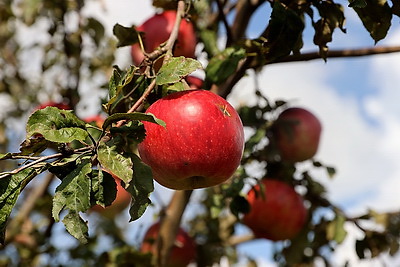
x=64, y=167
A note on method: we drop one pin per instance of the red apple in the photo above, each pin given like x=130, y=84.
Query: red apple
x=157, y=30
x=280, y=215
x=183, y=252
x=297, y=133
x=60, y=105
x=120, y=203
x=194, y=82
x=202, y=144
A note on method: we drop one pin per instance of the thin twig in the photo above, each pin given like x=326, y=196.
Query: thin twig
x=39, y=160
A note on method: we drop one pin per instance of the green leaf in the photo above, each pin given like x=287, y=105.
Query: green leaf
x=335, y=229
x=74, y=191
x=113, y=161
x=10, y=188
x=176, y=87
x=133, y=132
x=175, y=69
x=5, y=156
x=56, y=125
x=396, y=7
x=34, y=146
x=64, y=167
x=104, y=188
x=134, y=116
x=114, y=82
x=95, y=29
x=284, y=32
x=224, y=64
x=125, y=35
x=76, y=226
x=332, y=17
x=376, y=17
x=357, y=3
x=140, y=188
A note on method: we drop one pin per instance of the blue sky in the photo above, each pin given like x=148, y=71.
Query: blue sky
x=356, y=100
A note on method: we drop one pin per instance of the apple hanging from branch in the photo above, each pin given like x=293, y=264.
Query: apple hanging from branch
x=183, y=251
x=201, y=145
x=157, y=30
x=277, y=213
x=296, y=134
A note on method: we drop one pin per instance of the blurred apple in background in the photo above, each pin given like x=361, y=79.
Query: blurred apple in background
x=278, y=213
x=157, y=30
x=296, y=134
x=183, y=251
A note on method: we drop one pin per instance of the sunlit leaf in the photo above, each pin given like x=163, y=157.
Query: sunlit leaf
x=56, y=125
x=74, y=191
x=335, y=229
x=175, y=69
x=113, y=161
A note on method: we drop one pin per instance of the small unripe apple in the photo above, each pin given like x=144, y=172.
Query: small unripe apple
x=183, y=251
x=278, y=213
x=120, y=202
x=201, y=145
x=157, y=30
x=296, y=134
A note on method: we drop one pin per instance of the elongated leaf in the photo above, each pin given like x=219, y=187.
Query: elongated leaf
x=10, y=188
x=175, y=69
x=140, y=188
x=56, y=125
x=284, y=32
x=74, y=191
x=113, y=161
x=376, y=17
x=224, y=64
x=76, y=226
x=134, y=116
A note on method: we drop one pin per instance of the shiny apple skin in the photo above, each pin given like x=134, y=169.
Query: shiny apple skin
x=202, y=144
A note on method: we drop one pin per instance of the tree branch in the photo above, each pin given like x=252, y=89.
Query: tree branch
x=28, y=205
x=360, y=52
x=170, y=222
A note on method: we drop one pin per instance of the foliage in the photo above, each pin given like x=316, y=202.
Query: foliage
x=82, y=156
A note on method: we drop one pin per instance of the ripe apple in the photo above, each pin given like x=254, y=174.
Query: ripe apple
x=280, y=215
x=194, y=82
x=183, y=252
x=202, y=144
x=296, y=134
x=157, y=30
x=121, y=201
x=59, y=105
